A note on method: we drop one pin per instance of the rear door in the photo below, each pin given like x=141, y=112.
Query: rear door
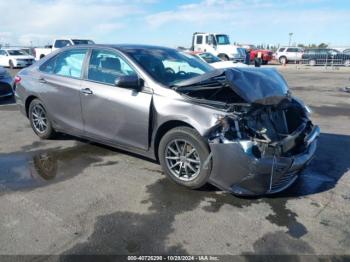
x=60, y=84
x=113, y=114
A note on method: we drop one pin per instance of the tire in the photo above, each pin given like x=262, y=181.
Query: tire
x=312, y=62
x=186, y=175
x=39, y=120
x=223, y=57
x=42, y=56
x=347, y=63
x=283, y=60
x=11, y=64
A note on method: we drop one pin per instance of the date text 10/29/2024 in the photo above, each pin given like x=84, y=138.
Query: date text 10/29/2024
x=173, y=258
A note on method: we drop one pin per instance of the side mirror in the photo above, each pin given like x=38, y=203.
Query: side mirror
x=131, y=82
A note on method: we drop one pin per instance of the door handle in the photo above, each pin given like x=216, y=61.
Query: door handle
x=42, y=80
x=86, y=91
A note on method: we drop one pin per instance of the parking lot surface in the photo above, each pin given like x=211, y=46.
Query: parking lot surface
x=69, y=196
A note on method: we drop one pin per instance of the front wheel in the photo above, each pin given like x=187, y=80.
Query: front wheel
x=283, y=60
x=39, y=120
x=183, y=155
x=224, y=57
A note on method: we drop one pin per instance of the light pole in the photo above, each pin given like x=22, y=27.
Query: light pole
x=290, y=38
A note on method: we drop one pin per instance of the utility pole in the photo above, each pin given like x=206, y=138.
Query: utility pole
x=290, y=38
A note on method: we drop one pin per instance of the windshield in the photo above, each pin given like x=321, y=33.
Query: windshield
x=168, y=66
x=82, y=42
x=209, y=57
x=16, y=52
x=222, y=40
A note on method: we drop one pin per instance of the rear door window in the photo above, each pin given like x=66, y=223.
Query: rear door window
x=68, y=63
x=199, y=39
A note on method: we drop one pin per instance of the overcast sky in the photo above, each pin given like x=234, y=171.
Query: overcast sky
x=172, y=22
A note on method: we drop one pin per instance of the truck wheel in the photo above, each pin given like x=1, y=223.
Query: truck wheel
x=182, y=155
x=11, y=64
x=223, y=57
x=283, y=60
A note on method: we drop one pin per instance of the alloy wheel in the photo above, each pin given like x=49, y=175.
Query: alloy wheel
x=39, y=118
x=182, y=159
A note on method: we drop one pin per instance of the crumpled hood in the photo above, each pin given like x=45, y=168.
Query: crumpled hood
x=257, y=85
x=253, y=85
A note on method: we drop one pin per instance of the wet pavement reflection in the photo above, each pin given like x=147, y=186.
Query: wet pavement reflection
x=32, y=169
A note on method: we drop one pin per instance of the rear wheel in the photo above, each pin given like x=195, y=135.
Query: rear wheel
x=182, y=154
x=39, y=120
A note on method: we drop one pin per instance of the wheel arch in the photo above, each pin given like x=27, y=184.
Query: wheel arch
x=27, y=103
x=163, y=129
x=223, y=55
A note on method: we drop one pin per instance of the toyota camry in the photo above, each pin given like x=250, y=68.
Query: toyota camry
x=239, y=129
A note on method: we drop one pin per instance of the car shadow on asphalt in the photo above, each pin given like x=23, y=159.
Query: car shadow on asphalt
x=331, y=162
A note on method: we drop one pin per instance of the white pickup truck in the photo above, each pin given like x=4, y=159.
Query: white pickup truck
x=59, y=43
x=219, y=45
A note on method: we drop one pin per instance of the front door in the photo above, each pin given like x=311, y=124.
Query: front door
x=117, y=115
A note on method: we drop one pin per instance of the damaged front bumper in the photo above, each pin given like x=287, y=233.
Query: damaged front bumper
x=237, y=170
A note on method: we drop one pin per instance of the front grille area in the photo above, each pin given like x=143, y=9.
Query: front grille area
x=283, y=181
x=5, y=89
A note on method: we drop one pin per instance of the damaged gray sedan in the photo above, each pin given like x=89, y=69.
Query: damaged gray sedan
x=239, y=129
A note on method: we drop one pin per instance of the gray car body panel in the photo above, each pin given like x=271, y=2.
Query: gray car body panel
x=131, y=120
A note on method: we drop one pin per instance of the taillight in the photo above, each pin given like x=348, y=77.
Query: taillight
x=17, y=79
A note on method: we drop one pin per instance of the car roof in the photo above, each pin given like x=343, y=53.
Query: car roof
x=121, y=47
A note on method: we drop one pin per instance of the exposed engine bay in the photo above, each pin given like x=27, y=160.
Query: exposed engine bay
x=274, y=130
